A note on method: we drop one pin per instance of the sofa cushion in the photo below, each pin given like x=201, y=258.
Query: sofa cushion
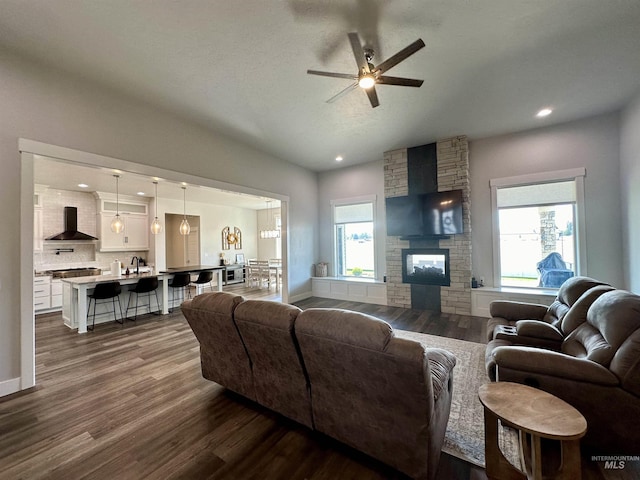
x=223, y=356
x=568, y=294
x=352, y=328
x=577, y=315
x=611, y=320
x=373, y=391
x=279, y=377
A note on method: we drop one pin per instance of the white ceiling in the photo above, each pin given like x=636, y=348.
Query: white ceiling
x=240, y=67
x=52, y=173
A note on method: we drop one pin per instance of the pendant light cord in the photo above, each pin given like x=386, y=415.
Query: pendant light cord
x=117, y=195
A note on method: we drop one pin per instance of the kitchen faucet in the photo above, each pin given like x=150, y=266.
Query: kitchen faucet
x=137, y=263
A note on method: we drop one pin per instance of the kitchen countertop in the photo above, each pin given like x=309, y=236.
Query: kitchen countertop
x=193, y=268
x=109, y=278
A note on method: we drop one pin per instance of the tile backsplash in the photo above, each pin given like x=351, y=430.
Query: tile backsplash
x=53, y=203
x=83, y=254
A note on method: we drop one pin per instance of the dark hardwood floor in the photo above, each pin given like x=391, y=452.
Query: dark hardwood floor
x=130, y=403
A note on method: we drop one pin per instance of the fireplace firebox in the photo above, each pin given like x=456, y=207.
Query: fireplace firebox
x=426, y=266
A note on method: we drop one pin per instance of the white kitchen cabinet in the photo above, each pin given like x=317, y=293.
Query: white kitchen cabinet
x=56, y=293
x=136, y=232
x=135, y=217
x=135, y=236
x=42, y=293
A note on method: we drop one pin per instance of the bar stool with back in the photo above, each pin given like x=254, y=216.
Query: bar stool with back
x=204, y=278
x=105, y=291
x=179, y=281
x=145, y=286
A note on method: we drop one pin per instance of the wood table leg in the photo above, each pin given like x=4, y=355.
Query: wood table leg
x=536, y=458
x=496, y=465
x=570, y=467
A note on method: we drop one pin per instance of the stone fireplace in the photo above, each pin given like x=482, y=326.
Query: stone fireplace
x=437, y=167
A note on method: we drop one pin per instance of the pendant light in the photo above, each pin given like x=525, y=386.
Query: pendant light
x=270, y=232
x=185, y=228
x=156, y=226
x=117, y=224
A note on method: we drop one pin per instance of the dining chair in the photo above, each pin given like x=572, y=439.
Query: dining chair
x=264, y=272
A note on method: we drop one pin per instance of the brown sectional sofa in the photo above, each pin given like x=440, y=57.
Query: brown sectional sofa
x=345, y=374
x=594, y=365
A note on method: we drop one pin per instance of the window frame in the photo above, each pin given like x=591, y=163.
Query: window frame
x=575, y=174
x=372, y=199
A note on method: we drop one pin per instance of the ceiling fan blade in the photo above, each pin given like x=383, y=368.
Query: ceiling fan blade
x=358, y=52
x=373, y=96
x=342, y=93
x=400, y=56
x=331, y=74
x=405, y=82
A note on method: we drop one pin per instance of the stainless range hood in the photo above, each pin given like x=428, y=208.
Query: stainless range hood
x=71, y=227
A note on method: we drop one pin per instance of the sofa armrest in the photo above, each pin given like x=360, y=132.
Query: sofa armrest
x=538, y=329
x=517, y=310
x=441, y=363
x=554, y=364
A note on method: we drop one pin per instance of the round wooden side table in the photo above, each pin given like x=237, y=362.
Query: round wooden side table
x=536, y=415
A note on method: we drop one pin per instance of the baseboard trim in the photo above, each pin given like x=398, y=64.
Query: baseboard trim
x=299, y=297
x=7, y=387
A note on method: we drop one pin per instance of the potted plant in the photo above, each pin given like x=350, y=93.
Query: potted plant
x=356, y=271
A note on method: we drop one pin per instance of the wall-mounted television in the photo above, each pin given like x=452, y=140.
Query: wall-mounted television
x=426, y=215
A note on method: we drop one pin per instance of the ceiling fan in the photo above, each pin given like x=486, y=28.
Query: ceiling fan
x=368, y=74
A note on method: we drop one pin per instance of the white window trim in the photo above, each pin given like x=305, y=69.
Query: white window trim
x=576, y=174
x=350, y=201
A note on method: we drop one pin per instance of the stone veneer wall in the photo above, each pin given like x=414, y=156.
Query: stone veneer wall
x=453, y=174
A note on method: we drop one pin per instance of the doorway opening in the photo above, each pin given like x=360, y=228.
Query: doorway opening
x=182, y=250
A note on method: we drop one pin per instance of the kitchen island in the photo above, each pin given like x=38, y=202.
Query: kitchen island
x=75, y=298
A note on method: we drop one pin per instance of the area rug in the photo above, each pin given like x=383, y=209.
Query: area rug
x=465, y=431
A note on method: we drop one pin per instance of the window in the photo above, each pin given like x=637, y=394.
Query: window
x=537, y=229
x=354, y=239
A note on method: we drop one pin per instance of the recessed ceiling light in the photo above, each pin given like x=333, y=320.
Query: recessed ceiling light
x=141, y=194
x=544, y=112
x=83, y=185
x=339, y=158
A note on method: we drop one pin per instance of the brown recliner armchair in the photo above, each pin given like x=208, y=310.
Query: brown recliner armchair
x=510, y=320
x=597, y=370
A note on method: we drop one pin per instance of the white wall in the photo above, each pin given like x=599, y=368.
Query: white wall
x=630, y=190
x=591, y=143
x=349, y=182
x=213, y=218
x=49, y=106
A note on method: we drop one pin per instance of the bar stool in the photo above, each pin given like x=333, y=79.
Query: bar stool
x=179, y=280
x=105, y=291
x=204, y=278
x=145, y=286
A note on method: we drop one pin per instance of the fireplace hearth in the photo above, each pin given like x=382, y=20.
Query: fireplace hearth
x=426, y=266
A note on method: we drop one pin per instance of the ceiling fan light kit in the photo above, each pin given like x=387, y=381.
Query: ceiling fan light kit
x=368, y=74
